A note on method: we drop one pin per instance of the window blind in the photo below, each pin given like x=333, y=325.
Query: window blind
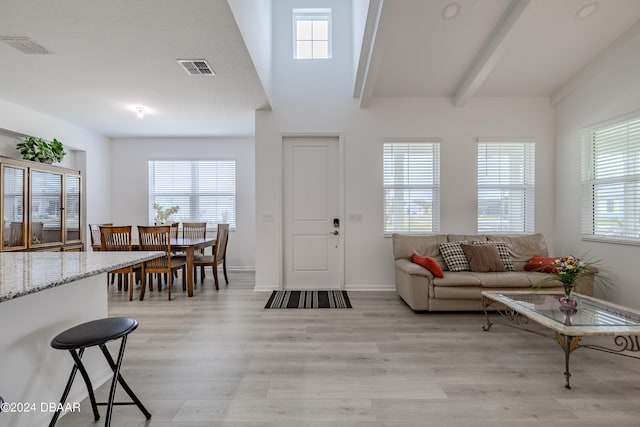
x=611, y=182
x=411, y=187
x=506, y=187
x=204, y=190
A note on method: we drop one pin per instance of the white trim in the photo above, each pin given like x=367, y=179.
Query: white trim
x=312, y=14
x=379, y=287
x=485, y=140
x=610, y=122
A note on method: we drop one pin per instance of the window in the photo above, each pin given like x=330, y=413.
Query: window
x=506, y=193
x=411, y=187
x=312, y=33
x=611, y=182
x=203, y=190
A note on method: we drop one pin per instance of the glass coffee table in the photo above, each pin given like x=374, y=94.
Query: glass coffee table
x=592, y=316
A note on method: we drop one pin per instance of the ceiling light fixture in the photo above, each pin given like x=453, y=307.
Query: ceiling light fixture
x=450, y=11
x=140, y=110
x=587, y=10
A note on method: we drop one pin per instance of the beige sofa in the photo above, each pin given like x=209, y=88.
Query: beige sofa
x=461, y=290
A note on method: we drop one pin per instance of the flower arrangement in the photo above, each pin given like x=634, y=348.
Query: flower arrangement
x=567, y=270
x=162, y=214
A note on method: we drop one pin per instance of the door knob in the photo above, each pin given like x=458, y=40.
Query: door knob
x=335, y=233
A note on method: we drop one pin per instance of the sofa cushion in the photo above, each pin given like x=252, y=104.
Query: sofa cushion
x=522, y=247
x=506, y=279
x=405, y=245
x=454, y=256
x=428, y=263
x=460, y=278
x=483, y=257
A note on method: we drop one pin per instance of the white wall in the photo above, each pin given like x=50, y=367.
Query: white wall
x=88, y=152
x=613, y=90
x=129, y=198
x=368, y=256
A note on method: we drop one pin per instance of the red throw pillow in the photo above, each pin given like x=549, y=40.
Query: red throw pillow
x=428, y=263
x=539, y=263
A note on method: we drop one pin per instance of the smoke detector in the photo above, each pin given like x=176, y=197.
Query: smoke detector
x=196, y=67
x=24, y=45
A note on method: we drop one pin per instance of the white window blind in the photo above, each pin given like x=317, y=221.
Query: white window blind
x=411, y=187
x=506, y=187
x=204, y=190
x=611, y=182
x=312, y=33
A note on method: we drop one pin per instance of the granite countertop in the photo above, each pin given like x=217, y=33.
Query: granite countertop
x=24, y=273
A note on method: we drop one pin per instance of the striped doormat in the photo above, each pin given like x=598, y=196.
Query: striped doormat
x=308, y=299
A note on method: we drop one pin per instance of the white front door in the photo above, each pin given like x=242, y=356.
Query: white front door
x=312, y=222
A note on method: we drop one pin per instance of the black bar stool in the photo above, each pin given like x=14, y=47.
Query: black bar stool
x=97, y=332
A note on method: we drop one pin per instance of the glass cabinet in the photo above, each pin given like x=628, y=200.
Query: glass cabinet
x=40, y=206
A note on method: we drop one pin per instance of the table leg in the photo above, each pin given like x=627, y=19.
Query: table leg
x=568, y=344
x=190, y=257
x=486, y=302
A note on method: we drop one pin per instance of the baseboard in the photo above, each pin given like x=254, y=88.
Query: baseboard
x=383, y=287
x=241, y=268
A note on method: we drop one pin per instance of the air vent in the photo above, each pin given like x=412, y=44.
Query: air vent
x=24, y=45
x=196, y=67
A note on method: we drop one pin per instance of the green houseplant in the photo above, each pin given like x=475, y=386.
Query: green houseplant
x=40, y=150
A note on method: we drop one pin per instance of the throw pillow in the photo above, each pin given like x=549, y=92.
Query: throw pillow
x=483, y=258
x=503, y=251
x=539, y=263
x=428, y=263
x=454, y=256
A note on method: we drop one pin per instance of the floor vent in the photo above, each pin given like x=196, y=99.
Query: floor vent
x=25, y=45
x=196, y=67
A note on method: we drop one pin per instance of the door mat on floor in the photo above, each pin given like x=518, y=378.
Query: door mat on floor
x=308, y=299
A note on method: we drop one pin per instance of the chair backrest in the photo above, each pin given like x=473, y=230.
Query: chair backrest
x=115, y=237
x=174, y=229
x=194, y=230
x=156, y=238
x=222, y=236
x=94, y=232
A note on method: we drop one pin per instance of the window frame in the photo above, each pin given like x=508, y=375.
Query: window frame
x=312, y=14
x=588, y=181
x=528, y=185
x=211, y=224
x=434, y=187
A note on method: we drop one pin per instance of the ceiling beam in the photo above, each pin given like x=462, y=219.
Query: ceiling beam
x=372, y=51
x=493, y=49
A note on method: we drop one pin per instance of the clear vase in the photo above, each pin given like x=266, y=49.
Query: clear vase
x=568, y=301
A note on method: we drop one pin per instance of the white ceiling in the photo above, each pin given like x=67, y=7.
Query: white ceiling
x=503, y=47
x=107, y=55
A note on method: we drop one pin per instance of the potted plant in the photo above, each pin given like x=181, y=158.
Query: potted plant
x=40, y=150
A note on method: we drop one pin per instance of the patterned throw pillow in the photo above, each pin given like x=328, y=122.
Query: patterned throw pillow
x=454, y=256
x=503, y=252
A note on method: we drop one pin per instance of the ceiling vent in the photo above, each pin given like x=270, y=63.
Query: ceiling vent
x=24, y=45
x=196, y=67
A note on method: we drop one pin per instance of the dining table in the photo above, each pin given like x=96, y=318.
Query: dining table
x=181, y=244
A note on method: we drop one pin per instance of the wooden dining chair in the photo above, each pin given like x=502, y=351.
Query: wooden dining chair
x=94, y=234
x=195, y=230
x=118, y=238
x=218, y=257
x=158, y=238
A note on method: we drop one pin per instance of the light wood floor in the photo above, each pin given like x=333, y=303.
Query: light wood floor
x=220, y=359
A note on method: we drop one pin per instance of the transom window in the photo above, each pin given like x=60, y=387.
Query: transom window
x=611, y=182
x=506, y=192
x=203, y=190
x=411, y=187
x=312, y=33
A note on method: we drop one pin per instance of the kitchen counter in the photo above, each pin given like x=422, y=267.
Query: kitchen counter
x=24, y=273
x=41, y=295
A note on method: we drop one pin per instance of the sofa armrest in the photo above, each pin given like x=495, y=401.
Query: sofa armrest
x=412, y=269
